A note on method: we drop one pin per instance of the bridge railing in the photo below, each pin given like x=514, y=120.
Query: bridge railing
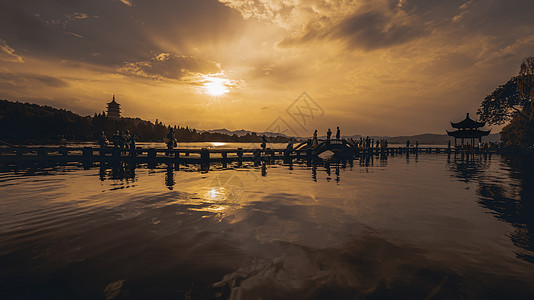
x=203, y=155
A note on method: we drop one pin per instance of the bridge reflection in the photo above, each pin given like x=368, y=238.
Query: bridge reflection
x=505, y=183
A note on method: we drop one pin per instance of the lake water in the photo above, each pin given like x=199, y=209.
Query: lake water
x=430, y=226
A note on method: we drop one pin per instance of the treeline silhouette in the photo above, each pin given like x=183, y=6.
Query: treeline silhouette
x=30, y=123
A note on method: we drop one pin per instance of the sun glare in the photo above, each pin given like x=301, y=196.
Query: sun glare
x=215, y=86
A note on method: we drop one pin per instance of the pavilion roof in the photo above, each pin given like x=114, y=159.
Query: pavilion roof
x=467, y=123
x=468, y=133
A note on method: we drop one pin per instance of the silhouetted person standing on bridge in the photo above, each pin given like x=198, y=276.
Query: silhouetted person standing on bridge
x=314, y=142
x=338, y=134
x=171, y=140
x=328, y=134
x=126, y=139
x=116, y=139
x=408, y=144
x=131, y=141
x=263, y=142
x=103, y=140
x=290, y=144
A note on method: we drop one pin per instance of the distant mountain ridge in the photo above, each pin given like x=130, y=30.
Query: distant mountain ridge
x=243, y=132
x=425, y=138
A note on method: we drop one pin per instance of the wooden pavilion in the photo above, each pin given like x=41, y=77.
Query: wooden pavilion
x=468, y=129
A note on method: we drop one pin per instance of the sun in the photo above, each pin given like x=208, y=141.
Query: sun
x=215, y=86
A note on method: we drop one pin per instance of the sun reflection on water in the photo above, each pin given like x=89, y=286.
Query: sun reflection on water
x=217, y=144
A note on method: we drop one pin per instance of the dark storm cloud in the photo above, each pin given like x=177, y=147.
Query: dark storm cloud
x=22, y=81
x=377, y=24
x=167, y=66
x=109, y=32
x=373, y=25
x=497, y=17
x=372, y=30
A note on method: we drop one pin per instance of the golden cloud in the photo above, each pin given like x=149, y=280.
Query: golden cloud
x=8, y=54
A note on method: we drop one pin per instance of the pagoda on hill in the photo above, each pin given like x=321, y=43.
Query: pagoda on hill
x=468, y=129
x=114, y=109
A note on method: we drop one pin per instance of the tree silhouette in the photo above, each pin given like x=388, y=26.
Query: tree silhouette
x=31, y=123
x=509, y=100
x=513, y=101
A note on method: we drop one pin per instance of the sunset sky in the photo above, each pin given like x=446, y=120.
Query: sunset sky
x=373, y=67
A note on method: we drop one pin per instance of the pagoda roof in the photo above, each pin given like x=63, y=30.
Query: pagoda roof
x=468, y=133
x=468, y=123
x=113, y=101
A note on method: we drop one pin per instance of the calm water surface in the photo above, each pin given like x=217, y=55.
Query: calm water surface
x=430, y=226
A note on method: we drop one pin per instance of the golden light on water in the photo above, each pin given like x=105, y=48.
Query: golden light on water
x=218, y=144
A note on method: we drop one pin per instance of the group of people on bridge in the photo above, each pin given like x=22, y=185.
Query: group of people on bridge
x=362, y=143
x=121, y=140
x=315, y=141
x=125, y=140
x=368, y=143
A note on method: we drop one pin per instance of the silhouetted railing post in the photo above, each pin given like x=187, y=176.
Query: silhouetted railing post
x=42, y=152
x=176, y=157
x=224, y=159
x=205, y=159
x=151, y=156
x=240, y=153
x=20, y=152
x=287, y=155
x=63, y=152
x=87, y=154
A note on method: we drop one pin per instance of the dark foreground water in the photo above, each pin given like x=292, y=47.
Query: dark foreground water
x=426, y=227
